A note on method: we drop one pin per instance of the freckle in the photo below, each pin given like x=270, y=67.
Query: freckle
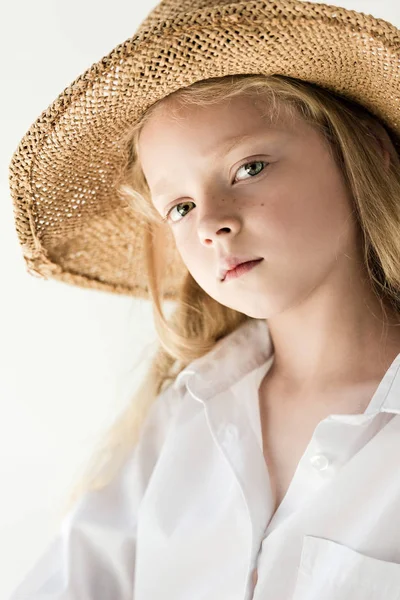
x=262, y=204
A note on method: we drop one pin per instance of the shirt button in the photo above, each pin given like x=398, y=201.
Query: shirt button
x=319, y=461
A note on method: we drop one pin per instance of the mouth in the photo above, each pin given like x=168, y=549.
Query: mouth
x=241, y=269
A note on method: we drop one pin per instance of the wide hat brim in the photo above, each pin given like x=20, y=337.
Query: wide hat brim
x=71, y=223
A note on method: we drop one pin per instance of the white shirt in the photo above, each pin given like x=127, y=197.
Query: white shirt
x=190, y=516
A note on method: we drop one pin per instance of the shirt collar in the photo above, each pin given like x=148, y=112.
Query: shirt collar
x=233, y=357
x=248, y=351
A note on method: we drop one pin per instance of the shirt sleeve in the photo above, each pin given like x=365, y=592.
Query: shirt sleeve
x=92, y=556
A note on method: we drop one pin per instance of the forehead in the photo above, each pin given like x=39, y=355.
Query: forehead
x=203, y=126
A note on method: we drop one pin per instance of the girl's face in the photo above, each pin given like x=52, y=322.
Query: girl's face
x=277, y=194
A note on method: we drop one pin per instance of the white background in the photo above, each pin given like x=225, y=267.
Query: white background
x=67, y=355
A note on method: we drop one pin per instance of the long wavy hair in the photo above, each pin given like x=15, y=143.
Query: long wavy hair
x=199, y=321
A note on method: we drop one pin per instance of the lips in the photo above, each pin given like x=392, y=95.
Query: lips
x=241, y=268
x=238, y=265
x=232, y=262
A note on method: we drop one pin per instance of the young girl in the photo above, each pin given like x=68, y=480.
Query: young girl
x=241, y=159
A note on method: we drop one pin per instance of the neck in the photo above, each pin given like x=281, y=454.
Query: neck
x=327, y=345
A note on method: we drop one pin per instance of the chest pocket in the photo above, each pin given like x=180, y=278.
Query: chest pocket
x=332, y=571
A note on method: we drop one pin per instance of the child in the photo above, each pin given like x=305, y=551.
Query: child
x=242, y=160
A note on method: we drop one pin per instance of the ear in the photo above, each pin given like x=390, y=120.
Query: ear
x=385, y=143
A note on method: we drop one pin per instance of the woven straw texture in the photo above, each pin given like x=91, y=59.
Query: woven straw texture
x=70, y=222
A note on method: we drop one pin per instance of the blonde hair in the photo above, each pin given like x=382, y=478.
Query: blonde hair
x=198, y=320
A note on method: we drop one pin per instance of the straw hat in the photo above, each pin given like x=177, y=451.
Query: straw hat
x=71, y=224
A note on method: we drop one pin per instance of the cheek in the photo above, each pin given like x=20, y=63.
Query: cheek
x=307, y=218
x=186, y=244
x=194, y=255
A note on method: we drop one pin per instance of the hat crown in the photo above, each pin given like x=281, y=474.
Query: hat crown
x=168, y=10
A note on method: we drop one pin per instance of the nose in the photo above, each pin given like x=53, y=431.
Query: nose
x=213, y=229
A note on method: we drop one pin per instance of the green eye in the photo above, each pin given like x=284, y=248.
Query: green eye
x=253, y=166
x=176, y=206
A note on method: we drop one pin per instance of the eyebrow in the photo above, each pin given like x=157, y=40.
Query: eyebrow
x=227, y=145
